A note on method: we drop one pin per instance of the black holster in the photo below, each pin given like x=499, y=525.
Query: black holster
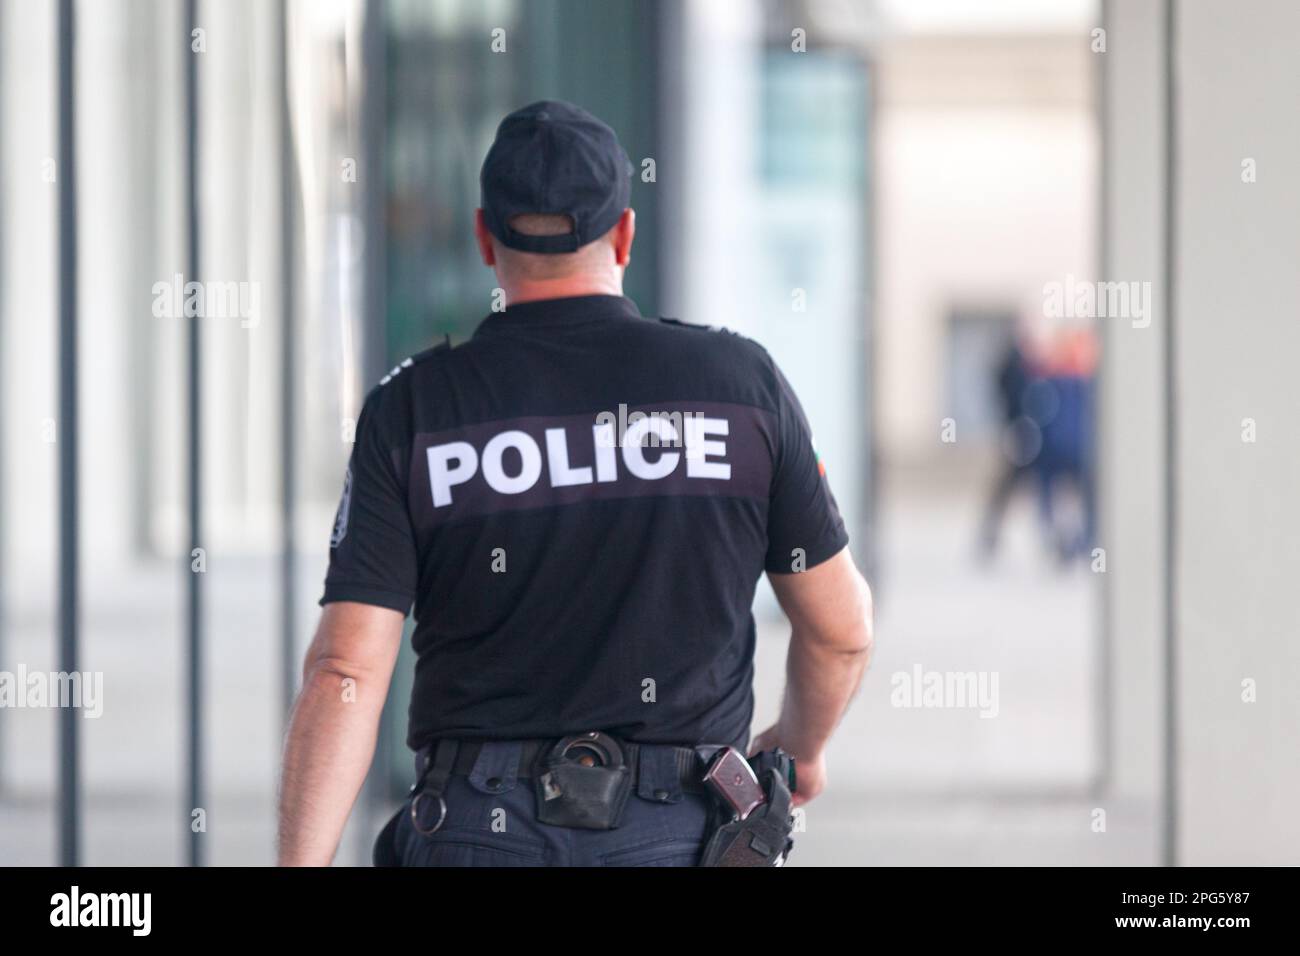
x=763, y=837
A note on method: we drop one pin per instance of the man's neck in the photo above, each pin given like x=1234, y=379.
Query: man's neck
x=534, y=290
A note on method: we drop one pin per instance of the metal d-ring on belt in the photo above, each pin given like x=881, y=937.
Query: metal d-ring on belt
x=433, y=783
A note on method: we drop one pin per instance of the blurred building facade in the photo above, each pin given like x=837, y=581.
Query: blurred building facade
x=391, y=106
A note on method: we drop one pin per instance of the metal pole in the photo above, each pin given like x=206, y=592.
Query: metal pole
x=2, y=497
x=194, y=623
x=374, y=349
x=288, y=385
x=374, y=120
x=1104, y=697
x=65, y=170
x=1169, y=827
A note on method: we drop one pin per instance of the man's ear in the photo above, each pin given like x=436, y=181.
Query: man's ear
x=484, y=239
x=624, y=233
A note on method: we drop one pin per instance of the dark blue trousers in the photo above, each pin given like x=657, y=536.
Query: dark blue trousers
x=492, y=821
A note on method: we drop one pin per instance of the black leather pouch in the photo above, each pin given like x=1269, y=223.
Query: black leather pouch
x=587, y=798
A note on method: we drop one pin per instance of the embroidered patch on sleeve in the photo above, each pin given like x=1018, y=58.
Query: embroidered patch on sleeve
x=341, y=517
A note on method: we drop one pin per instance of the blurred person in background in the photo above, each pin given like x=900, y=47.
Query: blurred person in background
x=1067, y=440
x=1045, y=391
x=581, y=582
x=1020, y=442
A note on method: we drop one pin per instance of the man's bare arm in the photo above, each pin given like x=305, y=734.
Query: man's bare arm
x=335, y=724
x=829, y=607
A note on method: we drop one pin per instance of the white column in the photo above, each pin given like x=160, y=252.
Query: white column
x=1132, y=422
x=1237, y=353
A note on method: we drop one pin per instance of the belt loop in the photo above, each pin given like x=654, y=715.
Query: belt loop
x=444, y=759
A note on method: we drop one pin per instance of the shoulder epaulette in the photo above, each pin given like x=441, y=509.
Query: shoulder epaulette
x=696, y=326
x=443, y=346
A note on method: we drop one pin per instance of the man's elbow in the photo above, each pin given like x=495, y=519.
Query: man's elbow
x=867, y=618
x=332, y=673
x=857, y=643
x=854, y=635
x=354, y=642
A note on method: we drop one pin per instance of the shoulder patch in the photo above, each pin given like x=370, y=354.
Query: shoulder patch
x=341, y=516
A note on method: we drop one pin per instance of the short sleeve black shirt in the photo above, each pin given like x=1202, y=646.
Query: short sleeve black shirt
x=578, y=503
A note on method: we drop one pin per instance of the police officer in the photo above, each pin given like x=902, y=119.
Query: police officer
x=578, y=503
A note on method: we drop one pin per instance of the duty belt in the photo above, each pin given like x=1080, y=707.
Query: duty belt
x=583, y=781
x=546, y=761
x=691, y=761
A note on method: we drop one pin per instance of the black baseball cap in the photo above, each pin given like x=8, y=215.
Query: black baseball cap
x=554, y=158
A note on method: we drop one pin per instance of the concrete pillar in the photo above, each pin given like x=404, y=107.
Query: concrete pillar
x=1237, y=303
x=1132, y=429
